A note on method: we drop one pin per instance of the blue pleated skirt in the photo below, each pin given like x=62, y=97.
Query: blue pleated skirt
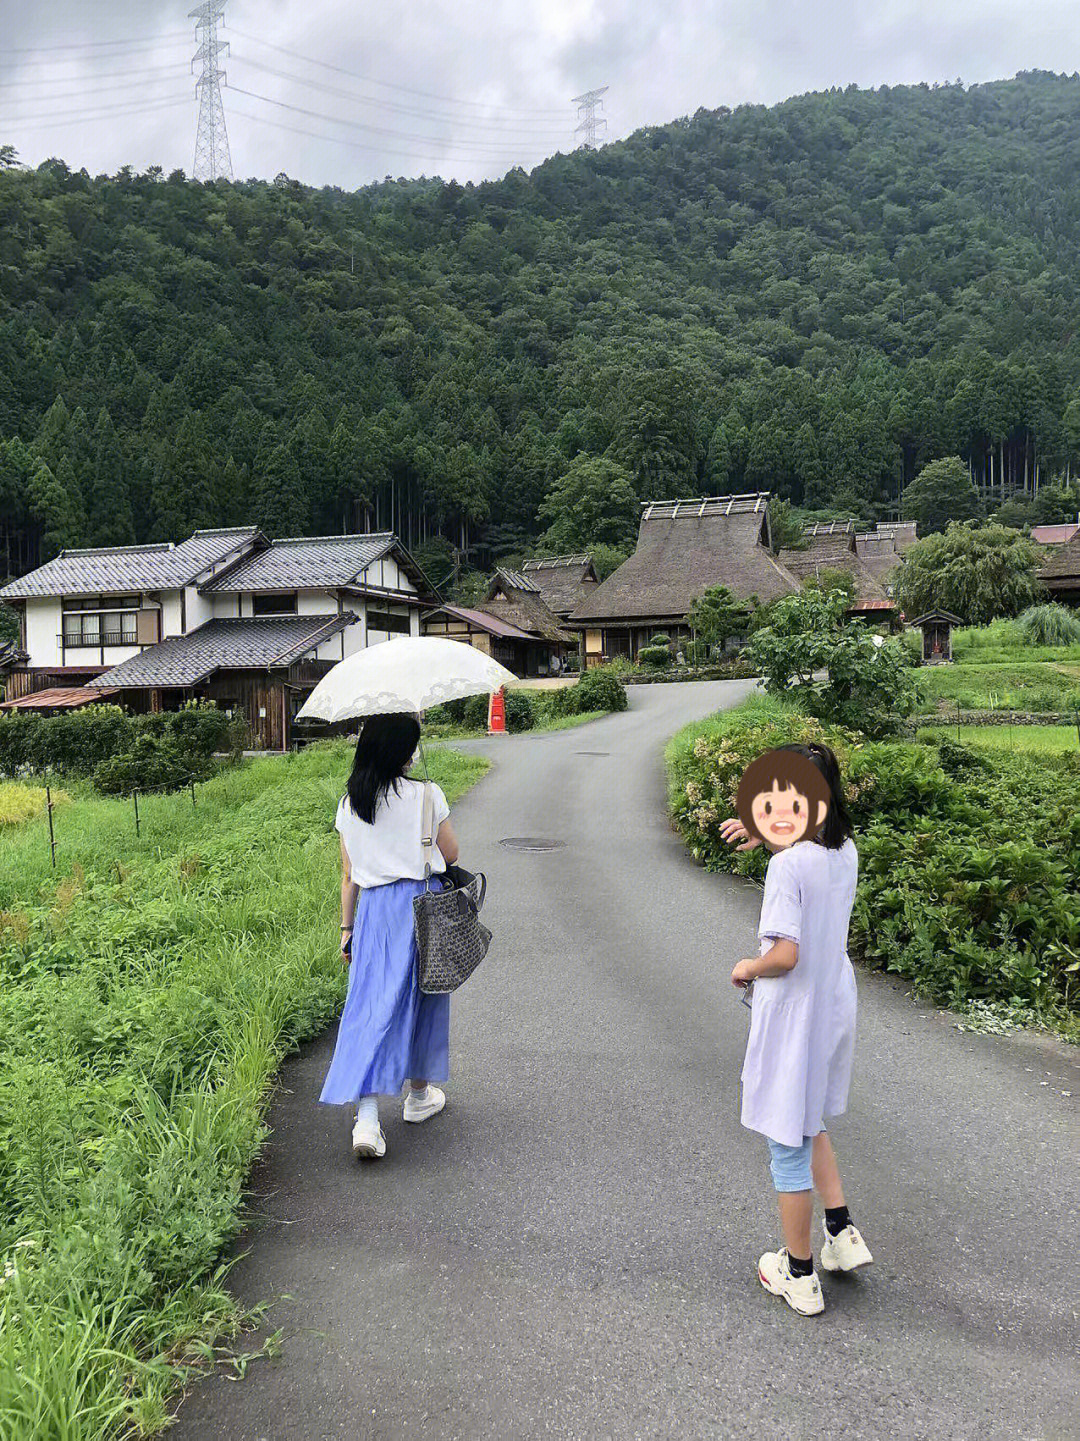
x=390, y=1031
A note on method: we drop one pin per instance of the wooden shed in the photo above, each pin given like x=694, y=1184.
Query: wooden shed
x=936, y=627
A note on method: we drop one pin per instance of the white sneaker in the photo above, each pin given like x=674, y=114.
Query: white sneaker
x=422, y=1105
x=846, y=1251
x=802, y=1293
x=368, y=1139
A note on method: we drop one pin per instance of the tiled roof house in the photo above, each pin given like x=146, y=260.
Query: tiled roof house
x=226, y=615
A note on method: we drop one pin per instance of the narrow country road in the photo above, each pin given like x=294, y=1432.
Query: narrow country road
x=569, y=1251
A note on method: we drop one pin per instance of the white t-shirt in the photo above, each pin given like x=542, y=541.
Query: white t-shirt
x=391, y=849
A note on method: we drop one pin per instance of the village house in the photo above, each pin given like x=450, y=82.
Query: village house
x=226, y=615
x=831, y=547
x=1059, y=570
x=882, y=549
x=684, y=547
x=512, y=623
x=564, y=581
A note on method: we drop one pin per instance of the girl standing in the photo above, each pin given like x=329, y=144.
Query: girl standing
x=390, y=1032
x=802, y=1030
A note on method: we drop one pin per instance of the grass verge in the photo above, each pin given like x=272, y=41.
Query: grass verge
x=151, y=987
x=1033, y=740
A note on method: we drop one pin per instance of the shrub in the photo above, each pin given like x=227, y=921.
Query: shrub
x=966, y=857
x=655, y=657
x=78, y=742
x=866, y=686
x=152, y=764
x=598, y=689
x=520, y=711
x=660, y=639
x=1051, y=624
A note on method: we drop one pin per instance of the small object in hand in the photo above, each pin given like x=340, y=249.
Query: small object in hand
x=747, y=996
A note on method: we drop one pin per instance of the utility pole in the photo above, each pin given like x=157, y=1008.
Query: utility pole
x=589, y=123
x=212, y=158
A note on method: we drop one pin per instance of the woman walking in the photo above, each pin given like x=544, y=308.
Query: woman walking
x=390, y=1031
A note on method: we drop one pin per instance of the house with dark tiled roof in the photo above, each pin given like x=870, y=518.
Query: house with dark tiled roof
x=564, y=581
x=513, y=623
x=226, y=615
x=831, y=547
x=683, y=548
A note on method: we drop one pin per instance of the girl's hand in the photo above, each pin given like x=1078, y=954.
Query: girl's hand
x=733, y=830
x=346, y=945
x=742, y=973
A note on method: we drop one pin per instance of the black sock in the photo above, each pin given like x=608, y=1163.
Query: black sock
x=836, y=1218
x=800, y=1267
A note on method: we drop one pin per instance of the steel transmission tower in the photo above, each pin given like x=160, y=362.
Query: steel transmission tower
x=589, y=123
x=212, y=158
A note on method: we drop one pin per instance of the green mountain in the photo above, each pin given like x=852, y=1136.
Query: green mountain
x=817, y=298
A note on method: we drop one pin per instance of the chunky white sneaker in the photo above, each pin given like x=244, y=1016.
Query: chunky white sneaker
x=846, y=1251
x=422, y=1105
x=368, y=1140
x=802, y=1293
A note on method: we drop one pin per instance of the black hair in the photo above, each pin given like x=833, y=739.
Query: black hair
x=385, y=746
x=838, y=823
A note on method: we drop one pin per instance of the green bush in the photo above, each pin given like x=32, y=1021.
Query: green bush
x=1051, y=624
x=598, y=689
x=654, y=657
x=152, y=764
x=78, y=742
x=520, y=711
x=967, y=857
x=660, y=639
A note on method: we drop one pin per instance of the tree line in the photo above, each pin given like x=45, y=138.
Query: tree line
x=818, y=299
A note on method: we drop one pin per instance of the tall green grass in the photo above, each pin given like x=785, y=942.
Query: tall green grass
x=150, y=988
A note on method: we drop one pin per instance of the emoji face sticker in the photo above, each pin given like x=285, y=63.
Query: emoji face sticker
x=783, y=798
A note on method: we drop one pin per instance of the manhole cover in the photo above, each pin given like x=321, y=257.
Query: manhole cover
x=529, y=843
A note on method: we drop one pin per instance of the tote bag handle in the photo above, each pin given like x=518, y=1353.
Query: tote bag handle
x=427, y=838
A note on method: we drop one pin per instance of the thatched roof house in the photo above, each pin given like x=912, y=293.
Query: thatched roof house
x=882, y=549
x=1060, y=570
x=832, y=547
x=564, y=581
x=512, y=623
x=684, y=547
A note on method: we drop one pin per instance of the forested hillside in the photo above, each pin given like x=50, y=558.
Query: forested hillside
x=816, y=298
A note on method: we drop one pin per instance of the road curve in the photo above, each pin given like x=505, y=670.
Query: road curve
x=569, y=1250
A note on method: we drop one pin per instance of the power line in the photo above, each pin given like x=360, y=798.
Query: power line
x=438, y=140
x=470, y=123
x=351, y=144
x=96, y=44
x=173, y=69
x=53, y=118
x=212, y=158
x=386, y=84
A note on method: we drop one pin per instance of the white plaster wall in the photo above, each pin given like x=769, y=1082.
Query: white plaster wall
x=387, y=575
x=222, y=604
x=198, y=607
x=170, y=614
x=114, y=654
x=44, y=622
x=316, y=602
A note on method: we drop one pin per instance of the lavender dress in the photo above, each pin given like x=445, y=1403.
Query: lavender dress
x=802, y=1028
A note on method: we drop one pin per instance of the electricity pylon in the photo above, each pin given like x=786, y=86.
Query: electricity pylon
x=212, y=158
x=589, y=123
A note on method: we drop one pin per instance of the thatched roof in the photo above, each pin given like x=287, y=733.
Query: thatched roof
x=832, y=547
x=882, y=549
x=564, y=581
x=514, y=599
x=683, y=548
x=1060, y=567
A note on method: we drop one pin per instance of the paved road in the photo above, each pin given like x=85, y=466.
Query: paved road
x=569, y=1250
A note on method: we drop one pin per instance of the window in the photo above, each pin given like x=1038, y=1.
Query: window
x=389, y=622
x=97, y=620
x=274, y=604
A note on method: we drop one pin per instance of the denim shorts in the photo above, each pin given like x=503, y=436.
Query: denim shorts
x=790, y=1165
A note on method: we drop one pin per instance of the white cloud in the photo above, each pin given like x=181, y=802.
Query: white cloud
x=512, y=64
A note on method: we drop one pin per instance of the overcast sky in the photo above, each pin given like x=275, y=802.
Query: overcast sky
x=466, y=88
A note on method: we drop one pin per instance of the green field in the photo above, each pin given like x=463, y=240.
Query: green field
x=1035, y=740
x=151, y=987
x=1032, y=686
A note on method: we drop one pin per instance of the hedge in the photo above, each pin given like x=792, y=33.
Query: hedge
x=967, y=859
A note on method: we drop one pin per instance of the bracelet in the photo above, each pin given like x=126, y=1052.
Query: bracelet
x=348, y=927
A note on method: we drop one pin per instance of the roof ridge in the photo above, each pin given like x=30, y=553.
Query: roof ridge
x=309, y=539
x=152, y=545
